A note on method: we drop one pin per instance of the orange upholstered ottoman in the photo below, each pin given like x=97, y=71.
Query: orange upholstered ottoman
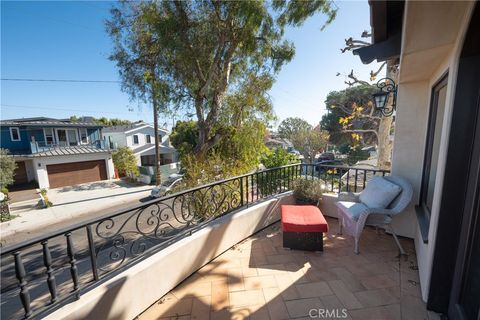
x=303, y=227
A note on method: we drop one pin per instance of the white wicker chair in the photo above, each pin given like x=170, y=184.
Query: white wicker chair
x=374, y=216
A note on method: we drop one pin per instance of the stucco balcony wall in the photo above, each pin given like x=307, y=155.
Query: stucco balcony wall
x=129, y=293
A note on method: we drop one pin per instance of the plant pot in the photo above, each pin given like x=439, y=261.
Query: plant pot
x=305, y=202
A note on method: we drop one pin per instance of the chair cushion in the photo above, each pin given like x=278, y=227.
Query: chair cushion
x=379, y=193
x=303, y=219
x=352, y=209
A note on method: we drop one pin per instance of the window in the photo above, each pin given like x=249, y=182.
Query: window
x=83, y=136
x=48, y=133
x=147, y=160
x=14, y=134
x=149, y=138
x=135, y=139
x=432, y=147
x=67, y=137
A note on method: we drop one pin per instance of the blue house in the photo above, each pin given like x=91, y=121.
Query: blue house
x=56, y=152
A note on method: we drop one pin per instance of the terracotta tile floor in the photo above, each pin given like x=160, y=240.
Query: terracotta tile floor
x=259, y=279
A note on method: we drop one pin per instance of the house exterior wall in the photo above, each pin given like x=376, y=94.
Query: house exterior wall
x=117, y=138
x=142, y=136
x=7, y=143
x=28, y=134
x=429, y=50
x=40, y=165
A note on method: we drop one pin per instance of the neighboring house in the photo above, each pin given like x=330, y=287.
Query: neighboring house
x=55, y=152
x=437, y=140
x=140, y=137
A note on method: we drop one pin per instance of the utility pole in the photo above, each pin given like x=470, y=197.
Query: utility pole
x=155, y=128
x=157, y=142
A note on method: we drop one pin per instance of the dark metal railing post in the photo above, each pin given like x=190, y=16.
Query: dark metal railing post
x=241, y=192
x=348, y=180
x=251, y=186
x=91, y=249
x=356, y=176
x=364, y=178
x=258, y=182
x=73, y=263
x=20, y=273
x=47, y=261
x=340, y=181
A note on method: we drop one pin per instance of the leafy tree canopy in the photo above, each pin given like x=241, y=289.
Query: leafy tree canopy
x=341, y=104
x=103, y=121
x=7, y=168
x=309, y=142
x=202, y=54
x=290, y=127
x=125, y=161
x=277, y=157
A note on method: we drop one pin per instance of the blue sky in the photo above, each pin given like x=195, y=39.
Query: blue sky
x=67, y=40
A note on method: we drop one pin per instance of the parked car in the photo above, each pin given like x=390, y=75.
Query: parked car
x=326, y=156
x=167, y=186
x=319, y=165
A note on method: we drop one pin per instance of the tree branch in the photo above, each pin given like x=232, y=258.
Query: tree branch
x=362, y=131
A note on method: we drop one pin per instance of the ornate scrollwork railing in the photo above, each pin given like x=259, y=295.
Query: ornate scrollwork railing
x=76, y=258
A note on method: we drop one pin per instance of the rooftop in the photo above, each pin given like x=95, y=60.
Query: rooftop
x=259, y=279
x=128, y=127
x=43, y=121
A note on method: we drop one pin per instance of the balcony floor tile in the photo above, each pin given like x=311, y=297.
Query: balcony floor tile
x=259, y=279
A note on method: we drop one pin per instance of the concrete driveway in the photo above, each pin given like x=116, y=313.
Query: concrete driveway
x=95, y=194
x=72, y=205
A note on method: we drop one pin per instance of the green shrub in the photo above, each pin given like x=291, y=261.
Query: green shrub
x=307, y=190
x=125, y=162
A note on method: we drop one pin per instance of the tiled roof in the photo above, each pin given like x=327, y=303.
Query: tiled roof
x=43, y=121
x=65, y=151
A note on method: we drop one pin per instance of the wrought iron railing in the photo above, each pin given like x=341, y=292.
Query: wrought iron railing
x=42, y=274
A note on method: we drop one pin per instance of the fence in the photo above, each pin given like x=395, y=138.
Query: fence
x=43, y=274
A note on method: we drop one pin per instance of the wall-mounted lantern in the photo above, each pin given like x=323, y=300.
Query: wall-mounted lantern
x=387, y=86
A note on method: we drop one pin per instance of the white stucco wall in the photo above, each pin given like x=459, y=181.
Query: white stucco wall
x=118, y=139
x=40, y=165
x=131, y=292
x=425, y=58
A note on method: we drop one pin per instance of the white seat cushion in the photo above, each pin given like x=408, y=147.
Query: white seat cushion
x=352, y=209
x=379, y=193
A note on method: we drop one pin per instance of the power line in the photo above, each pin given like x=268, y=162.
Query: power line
x=59, y=80
x=65, y=109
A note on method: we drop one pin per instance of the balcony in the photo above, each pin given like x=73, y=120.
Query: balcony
x=63, y=148
x=224, y=239
x=259, y=279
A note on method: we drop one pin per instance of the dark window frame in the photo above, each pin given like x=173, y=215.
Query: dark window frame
x=422, y=210
x=148, y=138
x=135, y=139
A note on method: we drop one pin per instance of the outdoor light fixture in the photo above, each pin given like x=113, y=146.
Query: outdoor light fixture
x=387, y=86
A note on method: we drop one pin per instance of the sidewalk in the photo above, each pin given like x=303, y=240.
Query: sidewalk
x=71, y=205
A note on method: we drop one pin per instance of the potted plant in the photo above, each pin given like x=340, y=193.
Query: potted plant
x=44, y=202
x=307, y=191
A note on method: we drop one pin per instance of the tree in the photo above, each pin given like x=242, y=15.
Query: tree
x=290, y=127
x=309, y=142
x=340, y=105
x=384, y=125
x=197, y=53
x=7, y=172
x=125, y=161
x=184, y=137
